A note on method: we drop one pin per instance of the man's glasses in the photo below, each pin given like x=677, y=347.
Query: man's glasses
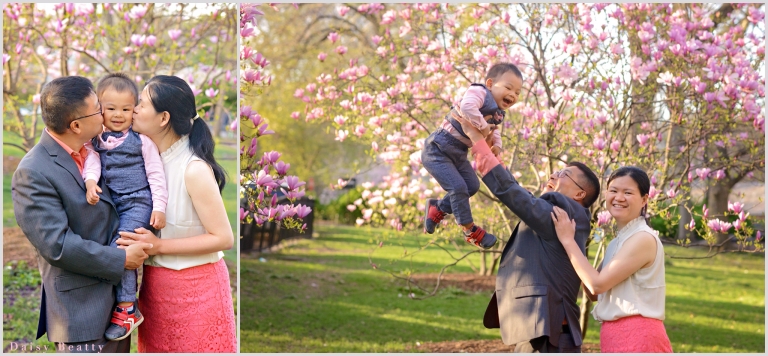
x=562, y=173
x=83, y=117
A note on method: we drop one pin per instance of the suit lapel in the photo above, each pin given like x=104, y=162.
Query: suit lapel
x=61, y=158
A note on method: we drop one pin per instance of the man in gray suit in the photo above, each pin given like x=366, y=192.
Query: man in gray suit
x=79, y=270
x=536, y=286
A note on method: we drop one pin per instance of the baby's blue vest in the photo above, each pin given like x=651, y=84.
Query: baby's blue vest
x=489, y=108
x=123, y=166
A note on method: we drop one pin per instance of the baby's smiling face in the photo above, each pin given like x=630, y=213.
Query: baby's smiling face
x=118, y=109
x=505, y=89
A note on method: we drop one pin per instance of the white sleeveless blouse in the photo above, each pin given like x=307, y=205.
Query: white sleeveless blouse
x=643, y=293
x=181, y=219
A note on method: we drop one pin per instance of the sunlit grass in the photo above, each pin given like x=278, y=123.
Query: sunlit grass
x=323, y=295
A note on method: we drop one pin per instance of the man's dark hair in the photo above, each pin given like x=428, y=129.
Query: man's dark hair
x=590, y=182
x=498, y=69
x=61, y=99
x=120, y=83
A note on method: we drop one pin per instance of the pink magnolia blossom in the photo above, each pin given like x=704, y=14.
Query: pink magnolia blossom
x=341, y=50
x=615, y=145
x=293, y=195
x=265, y=180
x=293, y=182
x=333, y=37
x=282, y=167
x=341, y=135
x=138, y=40
x=340, y=120
x=643, y=139
x=151, y=40
x=211, y=93
x=271, y=157
x=302, y=211
x=719, y=174
x=671, y=193
x=735, y=207
x=322, y=56
x=253, y=147
x=603, y=217
x=599, y=144
x=718, y=225
x=653, y=192
x=743, y=215
x=703, y=173
x=174, y=34
x=263, y=130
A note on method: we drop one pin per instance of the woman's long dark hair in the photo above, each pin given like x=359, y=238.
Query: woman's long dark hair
x=173, y=94
x=640, y=177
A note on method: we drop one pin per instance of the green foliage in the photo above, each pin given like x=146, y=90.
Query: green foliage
x=337, y=211
x=667, y=226
x=20, y=276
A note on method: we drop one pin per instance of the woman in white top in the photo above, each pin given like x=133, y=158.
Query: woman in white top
x=185, y=292
x=630, y=285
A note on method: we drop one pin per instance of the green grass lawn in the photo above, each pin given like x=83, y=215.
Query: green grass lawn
x=322, y=295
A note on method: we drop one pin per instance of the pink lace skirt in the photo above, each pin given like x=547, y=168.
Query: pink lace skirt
x=188, y=310
x=634, y=333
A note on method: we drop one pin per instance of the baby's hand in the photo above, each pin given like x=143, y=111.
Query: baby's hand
x=92, y=191
x=157, y=220
x=496, y=151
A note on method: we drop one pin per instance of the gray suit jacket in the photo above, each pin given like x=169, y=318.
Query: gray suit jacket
x=536, y=286
x=79, y=270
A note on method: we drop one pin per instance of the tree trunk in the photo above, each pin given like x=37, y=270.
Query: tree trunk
x=685, y=217
x=586, y=306
x=483, y=264
x=717, y=202
x=217, y=114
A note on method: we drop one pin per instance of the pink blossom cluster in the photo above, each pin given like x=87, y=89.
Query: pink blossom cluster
x=577, y=99
x=264, y=177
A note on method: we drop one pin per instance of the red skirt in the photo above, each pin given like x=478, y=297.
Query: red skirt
x=188, y=310
x=634, y=333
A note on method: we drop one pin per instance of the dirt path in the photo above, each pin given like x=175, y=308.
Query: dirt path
x=16, y=247
x=473, y=283
x=480, y=346
x=465, y=281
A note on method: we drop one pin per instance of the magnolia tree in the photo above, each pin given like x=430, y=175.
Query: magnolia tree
x=45, y=41
x=262, y=177
x=676, y=90
x=604, y=84
x=609, y=85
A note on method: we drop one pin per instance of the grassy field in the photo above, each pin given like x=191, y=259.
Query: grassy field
x=322, y=295
x=21, y=284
